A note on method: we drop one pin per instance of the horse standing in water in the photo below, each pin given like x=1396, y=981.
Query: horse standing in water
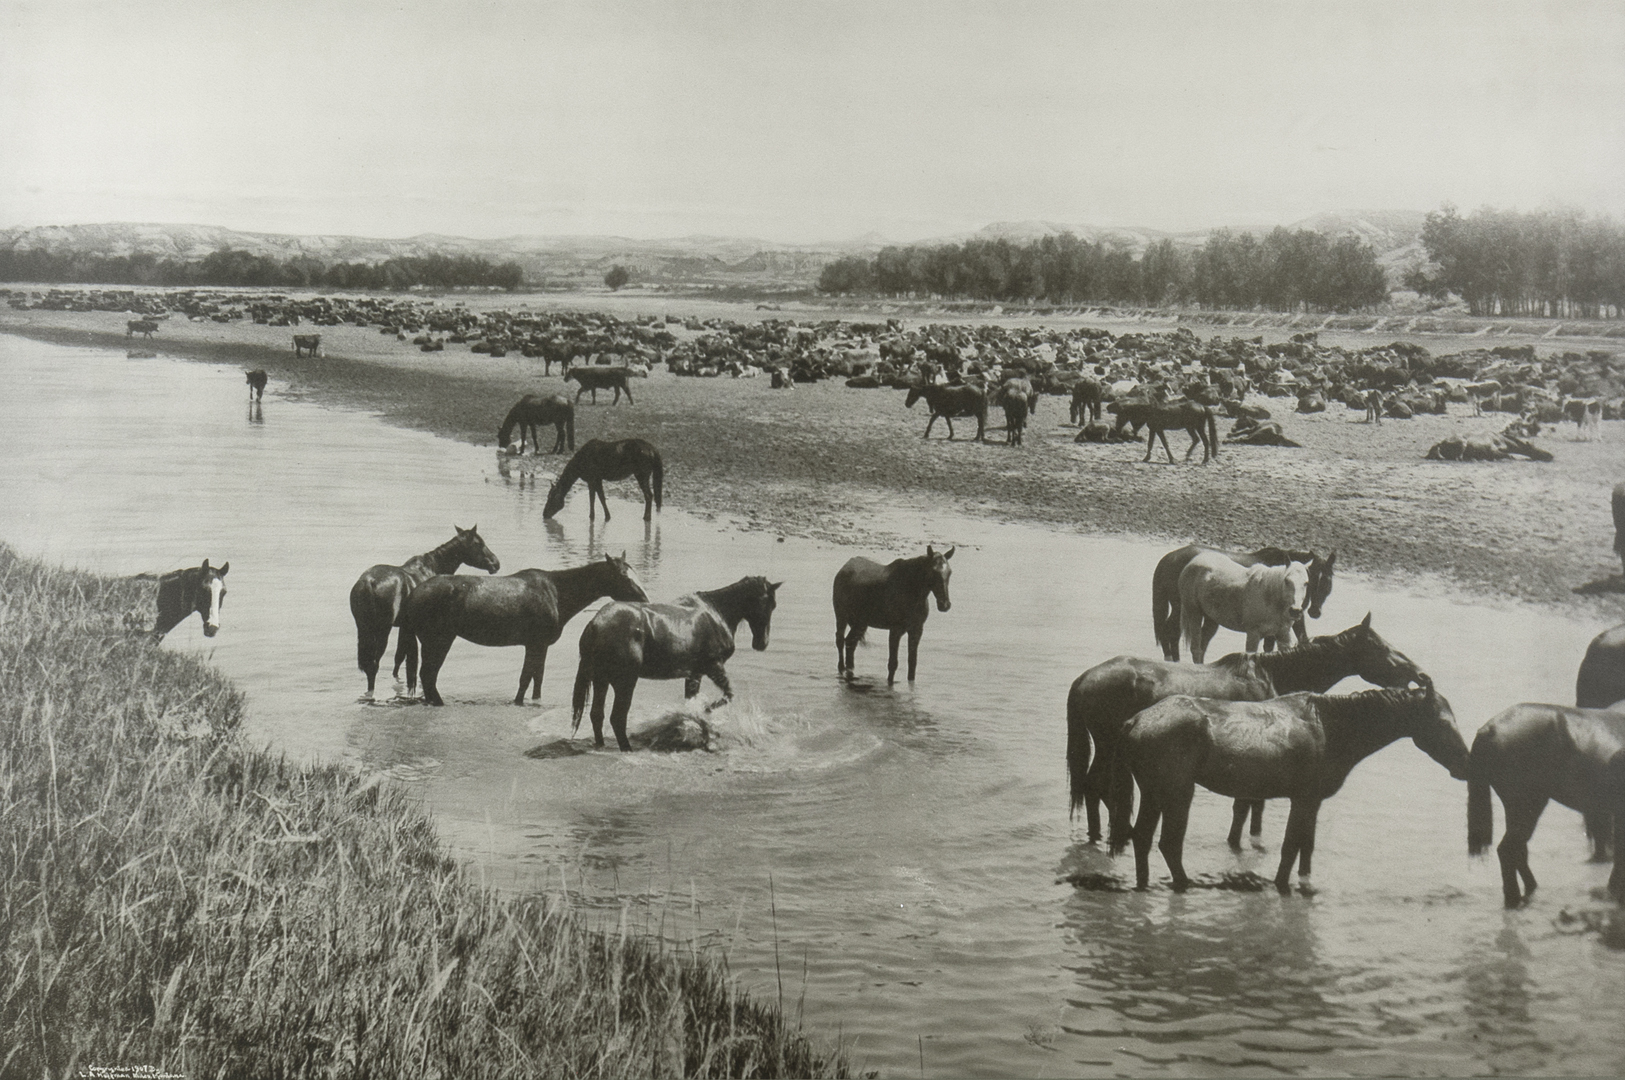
x=891, y=597
x=686, y=639
x=601, y=460
x=1531, y=754
x=256, y=384
x=1262, y=602
x=529, y=608
x=379, y=596
x=181, y=592
x=533, y=411
x=949, y=402
x=1105, y=697
x=1299, y=747
x=1165, y=619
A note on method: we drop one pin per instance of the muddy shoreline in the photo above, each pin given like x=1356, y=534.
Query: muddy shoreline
x=809, y=460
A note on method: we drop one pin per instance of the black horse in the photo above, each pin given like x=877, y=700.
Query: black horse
x=601, y=460
x=1016, y=403
x=949, y=402
x=691, y=637
x=534, y=410
x=1087, y=395
x=601, y=378
x=891, y=597
x=256, y=383
x=1161, y=418
x=379, y=595
x=303, y=343
x=1165, y=612
x=529, y=608
x=181, y=592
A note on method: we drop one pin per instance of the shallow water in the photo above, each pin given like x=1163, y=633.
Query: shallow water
x=894, y=858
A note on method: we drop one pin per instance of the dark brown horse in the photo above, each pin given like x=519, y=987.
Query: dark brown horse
x=529, y=608
x=601, y=460
x=1299, y=747
x=1087, y=395
x=1104, y=698
x=303, y=343
x=1601, y=681
x=1531, y=754
x=1161, y=418
x=535, y=410
x=181, y=592
x=600, y=378
x=1165, y=614
x=1015, y=402
x=891, y=597
x=379, y=595
x=949, y=402
x=256, y=383
x=686, y=639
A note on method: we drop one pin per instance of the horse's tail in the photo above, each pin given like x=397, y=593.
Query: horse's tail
x=578, y=697
x=1480, y=818
x=660, y=475
x=1165, y=611
x=1077, y=755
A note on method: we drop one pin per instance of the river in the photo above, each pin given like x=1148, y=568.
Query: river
x=890, y=861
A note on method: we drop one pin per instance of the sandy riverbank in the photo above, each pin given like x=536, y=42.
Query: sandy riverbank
x=810, y=460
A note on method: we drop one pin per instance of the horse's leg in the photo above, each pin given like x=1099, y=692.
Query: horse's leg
x=600, y=691
x=950, y=421
x=628, y=388
x=1300, y=825
x=1145, y=828
x=1306, y=849
x=1257, y=830
x=981, y=427
x=1253, y=638
x=1175, y=815
x=623, y=705
x=1599, y=829
x=691, y=686
x=1513, y=851
x=913, y=649
x=1196, y=437
x=434, y=655
x=535, y=664
x=840, y=645
x=1300, y=631
x=648, y=497
x=928, y=425
x=891, y=659
x=1120, y=805
x=853, y=636
x=717, y=675
x=1238, y=818
x=598, y=486
x=410, y=643
x=1150, y=444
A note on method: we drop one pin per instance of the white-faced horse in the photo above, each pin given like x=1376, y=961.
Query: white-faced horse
x=1261, y=601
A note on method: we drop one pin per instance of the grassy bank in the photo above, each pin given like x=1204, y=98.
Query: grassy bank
x=171, y=898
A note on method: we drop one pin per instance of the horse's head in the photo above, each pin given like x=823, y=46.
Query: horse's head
x=555, y=500
x=623, y=584
x=211, y=593
x=915, y=393
x=1433, y=729
x=759, y=612
x=1294, y=589
x=1320, y=582
x=1375, y=660
x=475, y=553
x=939, y=572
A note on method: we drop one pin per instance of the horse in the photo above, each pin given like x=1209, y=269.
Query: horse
x=688, y=638
x=1165, y=620
x=1587, y=416
x=256, y=384
x=891, y=597
x=378, y=596
x=962, y=399
x=1300, y=746
x=307, y=342
x=1372, y=400
x=1087, y=394
x=181, y=592
x=1531, y=754
x=533, y=410
x=600, y=378
x=1103, y=699
x=1618, y=502
x=1601, y=681
x=1261, y=601
x=144, y=327
x=1188, y=416
x=601, y=460
x=529, y=608
x=1015, y=404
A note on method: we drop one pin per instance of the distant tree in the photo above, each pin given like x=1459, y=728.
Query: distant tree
x=618, y=275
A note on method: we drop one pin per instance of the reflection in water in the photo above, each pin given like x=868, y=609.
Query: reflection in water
x=256, y=412
x=1500, y=992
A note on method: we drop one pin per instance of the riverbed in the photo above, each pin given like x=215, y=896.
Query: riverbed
x=893, y=861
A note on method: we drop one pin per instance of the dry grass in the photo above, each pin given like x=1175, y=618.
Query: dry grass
x=174, y=899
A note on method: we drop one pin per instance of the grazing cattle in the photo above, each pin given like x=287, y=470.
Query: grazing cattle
x=256, y=384
x=181, y=592
x=145, y=327
x=303, y=343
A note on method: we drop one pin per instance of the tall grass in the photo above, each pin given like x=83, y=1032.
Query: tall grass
x=172, y=898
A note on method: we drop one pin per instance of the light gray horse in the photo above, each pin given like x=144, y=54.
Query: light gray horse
x=1261, y=601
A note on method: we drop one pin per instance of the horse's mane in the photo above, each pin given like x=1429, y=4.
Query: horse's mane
x=1364, y=700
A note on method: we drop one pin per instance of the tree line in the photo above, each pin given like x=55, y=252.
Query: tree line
x=232, y=267
x=1285, y=270
x=1555, y=264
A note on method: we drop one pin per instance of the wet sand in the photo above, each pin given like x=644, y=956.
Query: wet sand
x=810, y=461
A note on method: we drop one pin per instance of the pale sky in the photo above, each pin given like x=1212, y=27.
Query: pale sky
x=798, y=121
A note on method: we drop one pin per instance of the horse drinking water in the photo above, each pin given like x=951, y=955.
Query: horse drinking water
x=1299, y=747
x=1262, y=602
x=686, y=639
x=891, y=597
x=601, y=460
x=379, y=595
x=529, y=608
x=535, y=410
x=181, y=592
